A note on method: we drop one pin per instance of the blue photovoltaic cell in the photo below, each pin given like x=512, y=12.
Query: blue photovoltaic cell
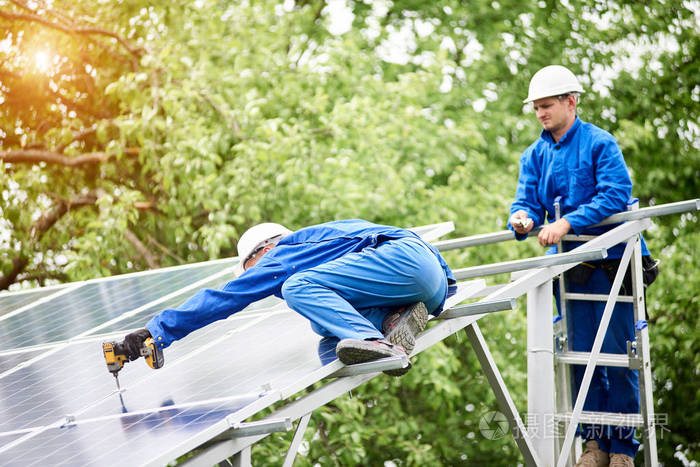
x=9, y=361
x=139, y=320
x=226, y=363
x=72, y=378
x=95, y=303
x=129, y=440
x=59, y=404
x=15, y=300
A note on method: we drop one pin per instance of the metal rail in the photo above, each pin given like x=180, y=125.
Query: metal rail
x=529, y=263
x=505, y=235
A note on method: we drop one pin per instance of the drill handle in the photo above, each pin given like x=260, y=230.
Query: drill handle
x=152, y=353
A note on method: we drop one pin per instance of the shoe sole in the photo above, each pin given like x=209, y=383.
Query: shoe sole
x=362, y=351
x=410, y=324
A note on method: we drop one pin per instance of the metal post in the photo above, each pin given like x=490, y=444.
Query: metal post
x=643, y=351
x=540, y=372
x=505, y=403
x=242, y=458
x=563, y=397
x=561, y=282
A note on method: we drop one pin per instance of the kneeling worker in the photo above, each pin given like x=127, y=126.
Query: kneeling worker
x=371, y=286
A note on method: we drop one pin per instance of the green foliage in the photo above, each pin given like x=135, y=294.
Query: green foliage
x=213, y=116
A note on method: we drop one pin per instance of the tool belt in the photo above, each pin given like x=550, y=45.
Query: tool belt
x=581, y=273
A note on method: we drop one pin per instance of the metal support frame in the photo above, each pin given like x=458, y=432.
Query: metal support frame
x=537, y=283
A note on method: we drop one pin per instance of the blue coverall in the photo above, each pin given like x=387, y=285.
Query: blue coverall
x=586, y=168
x=344, y=276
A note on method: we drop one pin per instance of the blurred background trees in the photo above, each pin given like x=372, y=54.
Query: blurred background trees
x=134, y=136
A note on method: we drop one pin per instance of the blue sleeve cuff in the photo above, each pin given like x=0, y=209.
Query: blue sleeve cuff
x=157, y=333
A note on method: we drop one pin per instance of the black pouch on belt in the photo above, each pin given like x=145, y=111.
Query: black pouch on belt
x=580, y=274
x=650, y=270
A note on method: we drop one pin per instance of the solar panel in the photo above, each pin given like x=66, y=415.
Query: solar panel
x=84, y=306
x=12, y=301
x=59, y=404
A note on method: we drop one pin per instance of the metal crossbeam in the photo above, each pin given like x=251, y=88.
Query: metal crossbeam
x=376, y=366
x=268, y=425
x=530, y=263
x=479, y=308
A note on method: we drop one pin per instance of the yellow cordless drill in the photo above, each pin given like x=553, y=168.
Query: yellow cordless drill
x=116, y=356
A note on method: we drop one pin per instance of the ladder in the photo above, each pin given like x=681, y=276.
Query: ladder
x=569, y=415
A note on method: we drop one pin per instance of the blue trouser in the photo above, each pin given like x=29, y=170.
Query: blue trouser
x=612, y=389
x=349, y=297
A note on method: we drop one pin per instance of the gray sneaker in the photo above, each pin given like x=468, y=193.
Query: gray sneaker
x=401, y=328
x=352, y=351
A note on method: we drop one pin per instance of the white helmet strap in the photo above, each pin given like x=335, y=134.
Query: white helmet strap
x=270, y=241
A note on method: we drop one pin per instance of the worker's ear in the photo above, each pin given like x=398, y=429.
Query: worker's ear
x=268, y=248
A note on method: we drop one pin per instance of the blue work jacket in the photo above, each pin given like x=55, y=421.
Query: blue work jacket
x=586, y=168
x=296, y=252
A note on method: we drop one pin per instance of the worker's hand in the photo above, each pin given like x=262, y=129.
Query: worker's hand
x=133, y=343
x=552, y=233
x=520, y=222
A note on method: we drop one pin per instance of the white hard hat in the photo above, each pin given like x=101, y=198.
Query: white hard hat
x=552, y=80
x=255, y=238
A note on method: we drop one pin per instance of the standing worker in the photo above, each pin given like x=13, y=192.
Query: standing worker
x=371, y=286
x=583, y=165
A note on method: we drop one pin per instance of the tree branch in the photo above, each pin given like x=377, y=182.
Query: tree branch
x=40, y=226
x=165, y=250
x=18, y=265
x=42, y=276
x=59, y=209
x=34, y=156
x=141, y=248
x=234, y=126
x=79, y=136
x=67, y=28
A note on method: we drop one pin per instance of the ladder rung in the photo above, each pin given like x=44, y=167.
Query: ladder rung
x=596, y=297
x=603, y=418
x=604, y=359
